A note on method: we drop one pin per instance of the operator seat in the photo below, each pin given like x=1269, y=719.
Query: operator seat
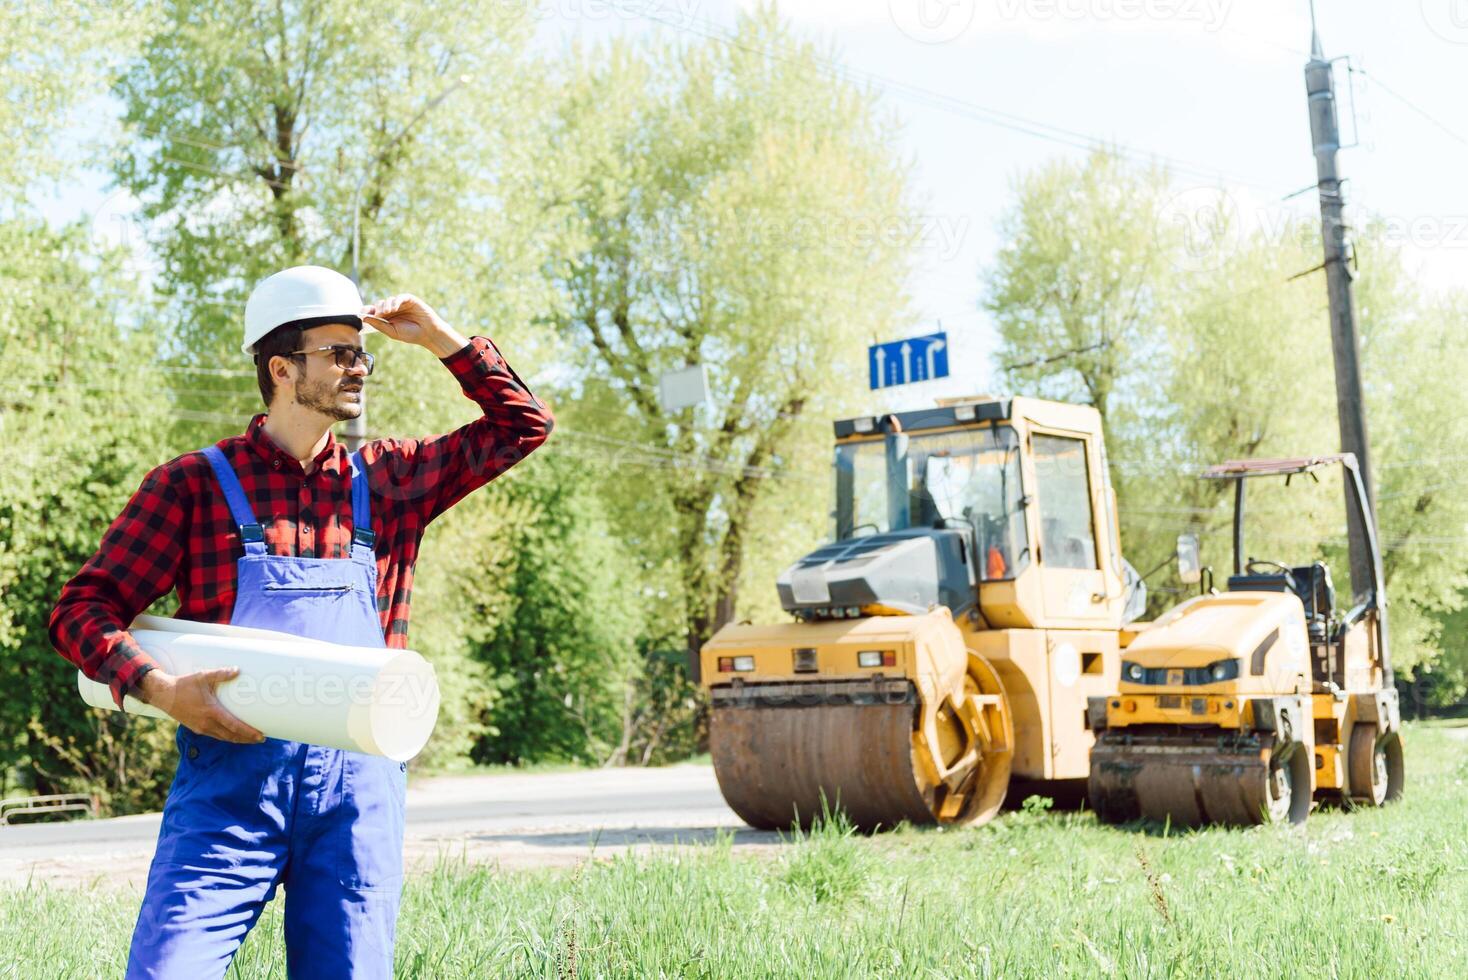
x=1317, y=592
x=1275, y=582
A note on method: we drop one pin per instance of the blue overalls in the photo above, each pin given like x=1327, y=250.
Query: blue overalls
x=242, y=819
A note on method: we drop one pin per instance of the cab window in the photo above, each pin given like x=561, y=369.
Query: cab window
x=861, y=489
x=971, y=478
x=1067, y=534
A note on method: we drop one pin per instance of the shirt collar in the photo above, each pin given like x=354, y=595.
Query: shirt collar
x=331, y=459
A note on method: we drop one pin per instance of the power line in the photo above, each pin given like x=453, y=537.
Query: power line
x=201, y=144
x=1453, y=134
x=1154, y=466
x=1055, y=357
x=655, y=451
x=178, y=369
x=235, y=301
x=599, y=448
x=699, y=461
x=237, y=178
x=126, y=383
x=980, y=113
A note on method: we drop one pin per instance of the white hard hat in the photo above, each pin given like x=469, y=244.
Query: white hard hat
x=304, y=292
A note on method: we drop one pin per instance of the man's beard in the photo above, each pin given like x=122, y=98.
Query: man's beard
x=323, y=397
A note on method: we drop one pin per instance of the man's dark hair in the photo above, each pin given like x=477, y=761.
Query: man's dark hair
x=280, y=341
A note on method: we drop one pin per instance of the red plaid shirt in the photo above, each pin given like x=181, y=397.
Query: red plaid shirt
x=177, y=532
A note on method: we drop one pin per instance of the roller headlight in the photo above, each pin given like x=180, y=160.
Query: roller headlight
x=1223, y=670
x=1134, y=672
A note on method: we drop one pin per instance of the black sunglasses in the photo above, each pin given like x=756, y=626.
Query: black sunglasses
x=347, y=356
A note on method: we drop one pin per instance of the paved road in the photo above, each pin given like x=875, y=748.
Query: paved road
x=514, y=820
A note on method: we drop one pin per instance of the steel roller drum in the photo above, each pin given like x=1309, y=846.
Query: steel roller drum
x=785, y=753
x=1190, y=781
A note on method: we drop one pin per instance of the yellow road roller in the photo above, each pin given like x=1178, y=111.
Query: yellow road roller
x=1244, y=706
x=946, y=641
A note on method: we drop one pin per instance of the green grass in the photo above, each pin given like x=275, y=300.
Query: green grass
x=1373, y=893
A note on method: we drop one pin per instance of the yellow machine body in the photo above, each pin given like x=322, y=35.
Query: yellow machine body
x=1209, y=656
x=936, y=730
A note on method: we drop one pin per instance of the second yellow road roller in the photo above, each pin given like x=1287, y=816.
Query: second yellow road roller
x=1245, y=706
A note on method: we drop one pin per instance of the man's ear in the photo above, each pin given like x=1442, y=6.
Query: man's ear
x=280, y=369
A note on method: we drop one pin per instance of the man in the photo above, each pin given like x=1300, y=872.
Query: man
x=277, y=529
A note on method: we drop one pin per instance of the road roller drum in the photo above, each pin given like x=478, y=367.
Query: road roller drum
x=883, y=750
x=1191, y=780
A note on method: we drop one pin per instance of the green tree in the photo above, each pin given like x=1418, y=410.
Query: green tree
x=77, y=429
x=1252, y=370
x=727, y=203
x=564, y=652
x=1077, y=288
x=1246, y=372
x=74, y=413
x=54, y=57
x=261, y=133
x=1444, y=682
x=1413, y=361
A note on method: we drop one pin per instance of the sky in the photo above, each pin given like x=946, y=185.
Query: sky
x=988, y=89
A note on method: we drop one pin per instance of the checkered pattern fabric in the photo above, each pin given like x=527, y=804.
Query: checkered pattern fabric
x=176, y=531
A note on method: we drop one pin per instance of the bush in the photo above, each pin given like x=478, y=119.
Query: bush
x=560, y=641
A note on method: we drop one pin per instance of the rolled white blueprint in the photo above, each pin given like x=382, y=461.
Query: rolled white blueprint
x=363, y=699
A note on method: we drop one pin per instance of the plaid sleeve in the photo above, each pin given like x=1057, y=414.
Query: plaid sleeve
x=136, y=563
x=435, y=473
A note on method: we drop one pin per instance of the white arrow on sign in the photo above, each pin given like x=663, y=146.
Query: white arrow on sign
x=932, y=353
x=905, y=350
x=881, y=367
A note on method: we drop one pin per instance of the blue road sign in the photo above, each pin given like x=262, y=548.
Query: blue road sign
x=901, y=362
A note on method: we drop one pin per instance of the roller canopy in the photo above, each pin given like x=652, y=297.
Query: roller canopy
x=1285, y=466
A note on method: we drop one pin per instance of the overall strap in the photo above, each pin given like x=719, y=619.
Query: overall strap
x=363, y=538
x=251, y=533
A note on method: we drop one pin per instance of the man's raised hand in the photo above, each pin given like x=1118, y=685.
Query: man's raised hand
x=407, y=318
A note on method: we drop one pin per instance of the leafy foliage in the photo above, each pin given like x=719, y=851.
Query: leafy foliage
x=564, y=650
x=78, y=438
x=54, y=56
x=1074, y=290
x=1210, y=349
x=735, y=206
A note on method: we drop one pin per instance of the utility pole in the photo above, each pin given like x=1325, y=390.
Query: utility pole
x=1350, y=405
